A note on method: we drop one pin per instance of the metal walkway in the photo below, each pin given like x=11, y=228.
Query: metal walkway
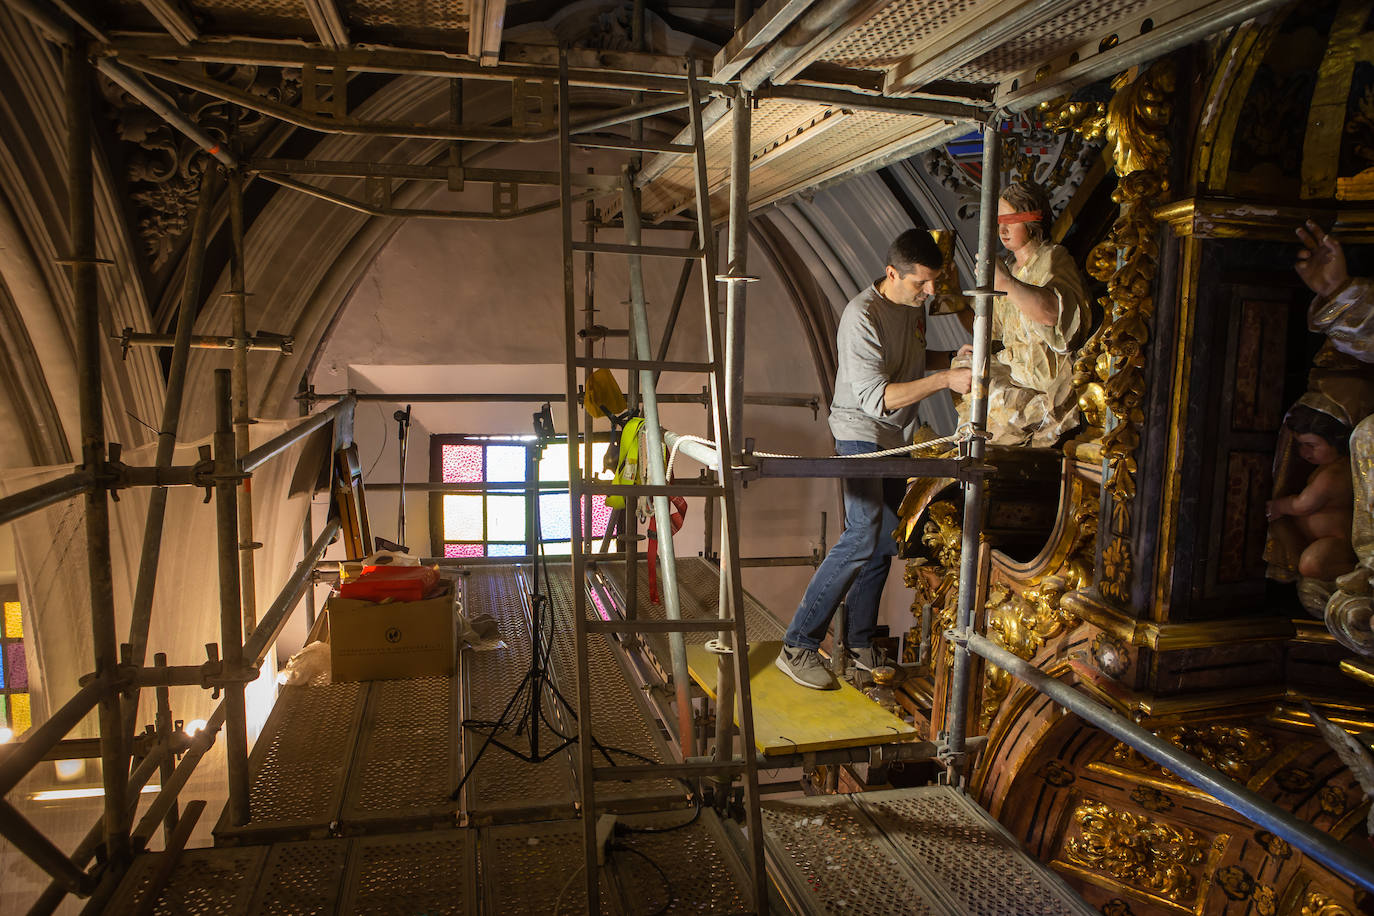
x=351, y=812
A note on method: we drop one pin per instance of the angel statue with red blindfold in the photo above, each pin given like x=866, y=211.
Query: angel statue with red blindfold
x=1041, y=322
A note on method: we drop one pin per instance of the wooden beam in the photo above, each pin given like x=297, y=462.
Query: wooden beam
x=174, y=19
x=329, y=23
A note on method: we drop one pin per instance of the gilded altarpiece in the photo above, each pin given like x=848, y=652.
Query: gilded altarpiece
x=1149, y=592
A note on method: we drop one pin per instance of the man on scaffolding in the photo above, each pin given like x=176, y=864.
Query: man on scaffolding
x=881, y=377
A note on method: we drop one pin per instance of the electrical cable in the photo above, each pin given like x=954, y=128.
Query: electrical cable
x=667, y=884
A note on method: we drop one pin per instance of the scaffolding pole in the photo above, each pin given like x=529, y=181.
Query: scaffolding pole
x=231, y=616
x=975, y=489
x=86, y=290
x=238, y=292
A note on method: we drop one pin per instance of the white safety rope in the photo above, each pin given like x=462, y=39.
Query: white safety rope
x=961, y=435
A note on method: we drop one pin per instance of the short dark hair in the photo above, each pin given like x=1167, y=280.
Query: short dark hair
x=915, y=246
x=1304, y=420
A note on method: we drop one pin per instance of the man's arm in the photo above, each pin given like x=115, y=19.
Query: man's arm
x=902, y=394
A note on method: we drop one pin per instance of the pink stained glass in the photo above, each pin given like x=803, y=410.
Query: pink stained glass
x=462, y=463
x=601, y=516
x=464, y=550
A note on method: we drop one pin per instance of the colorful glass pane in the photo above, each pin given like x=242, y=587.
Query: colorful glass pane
x=4, y=711
x=505, y=550
x=599, y=461
x=16, y=667
x=506, y=518
x=558, y=548
x=461, y=463
x=601, y=516
x=14, y=620
x=19, y=713
x=505, y=463
x=555, y=520
x=462, y=518
x=3, y=677
x=463, y=550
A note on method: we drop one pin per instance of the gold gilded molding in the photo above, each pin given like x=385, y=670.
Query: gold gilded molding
x=1317, y=903
x=1225, y=99
x=1154, y=857
x=1360, y=670
x=1326, y=112
x=1237, y=751
x=935, y=586
x=1086, y=119
x=1167, y=637
x=1114, y=358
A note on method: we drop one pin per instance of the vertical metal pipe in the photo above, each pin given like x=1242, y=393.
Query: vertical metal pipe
x=729, y=517
x=588, y=321
x=586, y=784
x=658, y=475
x=167, y=434
x=230, y=614
x=307, y=526
x=86, y=291
x=164, y=736
x=242, y=420
x=975, y=496
x=736, y=256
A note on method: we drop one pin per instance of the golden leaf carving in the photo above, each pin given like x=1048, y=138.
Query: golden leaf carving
x=1146, y=854
x=1110, y=370
x=1235, y=750
x=1318, y=904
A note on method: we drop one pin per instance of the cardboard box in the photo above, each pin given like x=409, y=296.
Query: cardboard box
x=393, y=640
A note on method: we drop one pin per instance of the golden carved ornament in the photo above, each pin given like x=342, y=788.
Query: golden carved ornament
x=1318, y=904
x=1087, y=120
x=1145, y=854
x=1235, y=750
x=935, y=585
x=1110, y=370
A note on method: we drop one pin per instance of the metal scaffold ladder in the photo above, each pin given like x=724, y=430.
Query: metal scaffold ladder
x=732, y=637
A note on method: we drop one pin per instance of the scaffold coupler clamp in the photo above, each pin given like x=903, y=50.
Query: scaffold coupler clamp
x=957, y=637
x=203, y=472
x=716, y=646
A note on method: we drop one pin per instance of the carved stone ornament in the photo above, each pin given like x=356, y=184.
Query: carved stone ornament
x=1149, y=855
x=164, y=168
x=1111, y=367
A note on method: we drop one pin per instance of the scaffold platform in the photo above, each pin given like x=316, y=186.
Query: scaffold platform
x=351, y=812
x=788, y=718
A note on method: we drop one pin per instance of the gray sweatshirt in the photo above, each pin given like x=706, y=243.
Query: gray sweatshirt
x=878, y=342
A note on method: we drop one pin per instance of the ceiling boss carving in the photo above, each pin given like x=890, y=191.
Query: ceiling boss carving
x=163, y=168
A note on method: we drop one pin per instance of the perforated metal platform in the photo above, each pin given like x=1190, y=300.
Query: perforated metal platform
x=921, y=851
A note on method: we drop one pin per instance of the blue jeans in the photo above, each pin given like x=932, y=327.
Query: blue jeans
x=858, y=563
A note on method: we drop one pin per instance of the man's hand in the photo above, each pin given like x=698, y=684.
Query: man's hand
x=965, y=350
x=1321, y=262
x=960, y=381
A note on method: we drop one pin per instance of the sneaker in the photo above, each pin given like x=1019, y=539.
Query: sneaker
x=868, y=658
x=806, y=668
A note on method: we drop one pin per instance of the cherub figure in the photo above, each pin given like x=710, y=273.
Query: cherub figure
x=1311, y=528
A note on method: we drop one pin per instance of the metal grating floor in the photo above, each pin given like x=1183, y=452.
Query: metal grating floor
x=926, y=850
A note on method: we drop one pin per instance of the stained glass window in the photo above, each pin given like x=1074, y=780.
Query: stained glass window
x=495, y=522
x=15, y=715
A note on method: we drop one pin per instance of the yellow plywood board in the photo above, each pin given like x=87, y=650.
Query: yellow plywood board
x=790, y=718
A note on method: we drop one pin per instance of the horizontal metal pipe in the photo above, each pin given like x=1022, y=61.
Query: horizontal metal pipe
x=270, y=449
x=354, y=169
x=41, y=739
x=410, y=212
x=205, y=342
x=920, y=107
x=697, y=451
x=1320, y=846
x=591, y=68
x=856, y=467
x=24, y=502
x=770, y=400
x=29, y=840
x=809, y=560
x=288, y=598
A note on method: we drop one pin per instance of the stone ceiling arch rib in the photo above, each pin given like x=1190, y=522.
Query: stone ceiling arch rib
x=32, y=162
